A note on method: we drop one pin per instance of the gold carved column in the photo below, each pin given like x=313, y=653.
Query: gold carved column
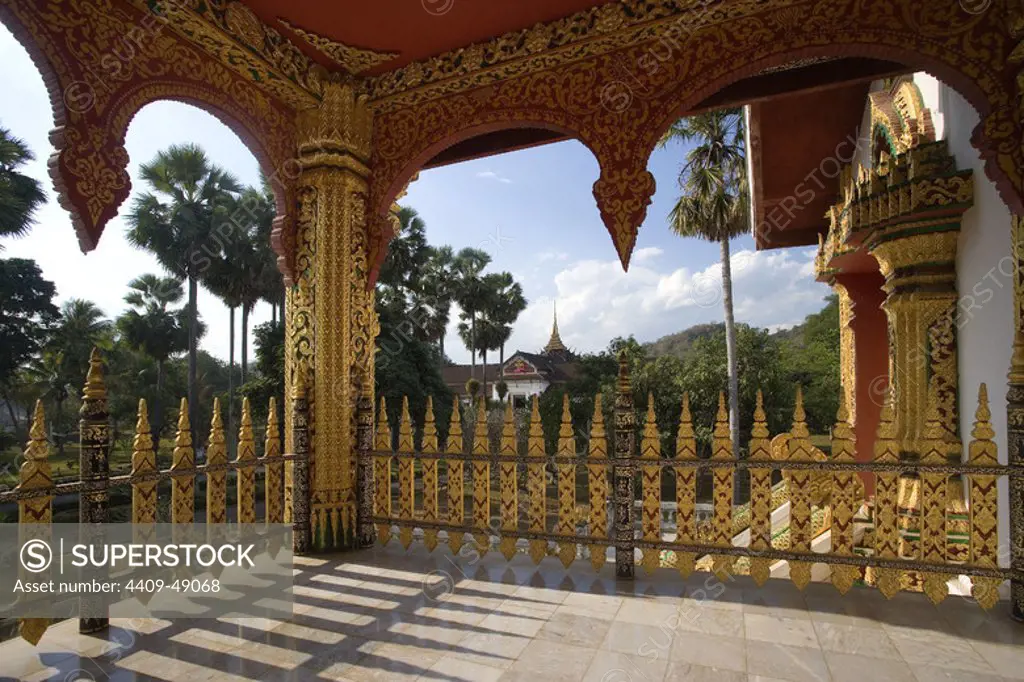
x=331, y=322
x=918, y=262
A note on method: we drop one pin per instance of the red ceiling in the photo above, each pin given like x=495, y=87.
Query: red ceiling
x=415, y=28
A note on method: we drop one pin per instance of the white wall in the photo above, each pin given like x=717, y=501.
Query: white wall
x=520, y=387
x=984, y=279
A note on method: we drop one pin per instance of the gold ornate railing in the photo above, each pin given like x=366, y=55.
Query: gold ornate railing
x=37, y=489
x=571, y=520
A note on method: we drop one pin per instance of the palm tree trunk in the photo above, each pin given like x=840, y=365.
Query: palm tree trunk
x=193, y=338
x=231, y=382
x=157, y=418
x=10, y=411
x=472, y=343
x=483, y=392
x=273, y=313
x=245, y=341
x=730, y=346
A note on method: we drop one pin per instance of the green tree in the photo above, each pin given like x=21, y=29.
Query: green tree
x=812, y=361
x=48, y=378
x=81, y=327
x=20, y=195
x=27, y=313
x=408, y=361
x=471, y=295
x=269, y=379
x=181, y=221
x=714, y=206
x=156, y=331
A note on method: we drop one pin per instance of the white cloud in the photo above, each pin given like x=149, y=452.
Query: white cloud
x=597, y=301
x=552, y=255
x=491, y=175
x=646, y=254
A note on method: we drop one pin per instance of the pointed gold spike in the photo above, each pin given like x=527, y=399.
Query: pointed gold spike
x=650, y=443
x=598, y=445
x=405, y=444
x=429, y=429
x=95, y=387
x=382, y=440
x=453, y=445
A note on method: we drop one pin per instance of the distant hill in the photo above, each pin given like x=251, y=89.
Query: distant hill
x=680, y=343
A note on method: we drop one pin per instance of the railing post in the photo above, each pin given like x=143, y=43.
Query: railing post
x=1015, y=443
x=94, y=463
x=364, y=470
x=301, y=539
x=623, y=472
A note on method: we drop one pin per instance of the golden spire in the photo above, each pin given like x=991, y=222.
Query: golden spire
x=598, y=446
x=721, y=441
x=246, y=441
x=650, y=444
x=216, y=450
x=382, y=441
x=95, y=387
x=429, y=429
x=686, y=445
x=535, y=440
x=405, y=428
x=272, y=439
x=143, y=458
x=555, y=342
x=566, y=438
x=453, y=446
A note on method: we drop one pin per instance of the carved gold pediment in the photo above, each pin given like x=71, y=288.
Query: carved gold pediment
x=353, y=60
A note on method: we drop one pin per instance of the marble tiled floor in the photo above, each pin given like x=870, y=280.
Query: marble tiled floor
x=385, y=614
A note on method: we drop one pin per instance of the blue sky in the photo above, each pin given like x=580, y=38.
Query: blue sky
x=532, y=210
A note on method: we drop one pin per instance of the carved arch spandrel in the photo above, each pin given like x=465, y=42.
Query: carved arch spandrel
x=566, y=100
x=970, y=52
x=102, y=61
x=622, y=101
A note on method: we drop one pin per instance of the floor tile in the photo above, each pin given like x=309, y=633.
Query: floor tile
x=713, y=651
x=799, y=664
x=1005, y=659
x=848, y=639
x=612, y=666
x=637, y=640
x=576, y=630
x=460, y=670
x=492, y=649
x=787, y=631
x=553, y=661
x=645, y=612
x=712, y=622
x=933, y=648
x=524, y=626
x=679, y=670
x=853, y=668
x=927, y=673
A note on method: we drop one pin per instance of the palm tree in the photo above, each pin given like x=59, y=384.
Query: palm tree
x=190, y=197
x=256, y=258
x=224, y=280
x=436, y=295
x=714, y=206
x=82, y=326
x=471, y=295
x=49, y=379
x=20, y=195
x=509, y=303
x=150, y=328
